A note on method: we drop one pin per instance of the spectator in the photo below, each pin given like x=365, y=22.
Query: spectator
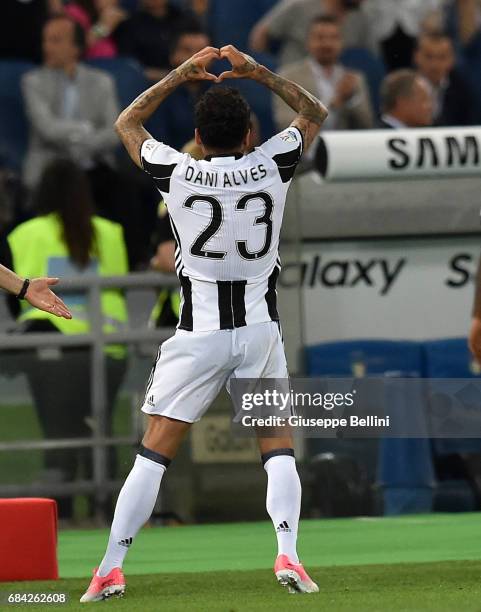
x=397, y=25
x=289, y=22
x=343, y=91
x=468, y=19
x=406, y=101
x=21, y=27
x=177, y=111
x=98, y=18
x=468, y=16
x=71, y=109
x=200, y=8
x=67, y=240
x=147, y=35
x=454, y=100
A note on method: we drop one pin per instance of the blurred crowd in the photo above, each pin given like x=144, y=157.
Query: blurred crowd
x=72, y=203
x=75, y=63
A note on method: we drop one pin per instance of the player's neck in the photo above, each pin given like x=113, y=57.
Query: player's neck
x=209, y=153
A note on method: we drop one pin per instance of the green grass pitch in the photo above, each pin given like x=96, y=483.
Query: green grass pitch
x=410, y=564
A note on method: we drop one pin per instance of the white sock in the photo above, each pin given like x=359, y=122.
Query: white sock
x=134, y=506
x=284, y=502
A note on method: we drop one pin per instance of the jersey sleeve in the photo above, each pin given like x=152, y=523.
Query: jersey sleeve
x=159, y=161
x=285, y=149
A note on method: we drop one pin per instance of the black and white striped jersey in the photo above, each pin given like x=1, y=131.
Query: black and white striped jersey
x=226, y=214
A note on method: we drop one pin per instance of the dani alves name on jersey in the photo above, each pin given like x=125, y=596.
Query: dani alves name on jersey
x=225, y=179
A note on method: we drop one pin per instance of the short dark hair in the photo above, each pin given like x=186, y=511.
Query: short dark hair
x=222, y=117
x=396, y=85
x=324, y=19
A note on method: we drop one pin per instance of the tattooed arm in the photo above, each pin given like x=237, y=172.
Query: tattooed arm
x=311, y=112
x=129, y=125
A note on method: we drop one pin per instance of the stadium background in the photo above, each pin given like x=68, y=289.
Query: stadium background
x=336, y=322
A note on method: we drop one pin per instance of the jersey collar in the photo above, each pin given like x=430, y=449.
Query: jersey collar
x=236, y=155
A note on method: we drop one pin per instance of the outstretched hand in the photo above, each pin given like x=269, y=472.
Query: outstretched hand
x=40, y=296
x=243, y=66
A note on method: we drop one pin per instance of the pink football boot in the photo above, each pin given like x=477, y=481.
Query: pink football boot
x=293, y=576
x=103, y=587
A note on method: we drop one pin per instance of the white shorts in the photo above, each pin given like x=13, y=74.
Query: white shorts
x=192, y=367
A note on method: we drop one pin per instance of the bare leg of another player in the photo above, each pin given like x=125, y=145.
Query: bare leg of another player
x=283, y=503
x=136, y=502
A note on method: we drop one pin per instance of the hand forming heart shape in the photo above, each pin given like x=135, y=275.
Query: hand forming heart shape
x=195, y=69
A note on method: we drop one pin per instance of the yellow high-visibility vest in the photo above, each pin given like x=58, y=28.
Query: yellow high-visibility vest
x=38, y=250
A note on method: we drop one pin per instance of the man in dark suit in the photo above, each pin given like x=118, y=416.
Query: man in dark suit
x=454, y=100
x=406, y=101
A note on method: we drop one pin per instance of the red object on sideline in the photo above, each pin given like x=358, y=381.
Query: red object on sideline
x=28, y=545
